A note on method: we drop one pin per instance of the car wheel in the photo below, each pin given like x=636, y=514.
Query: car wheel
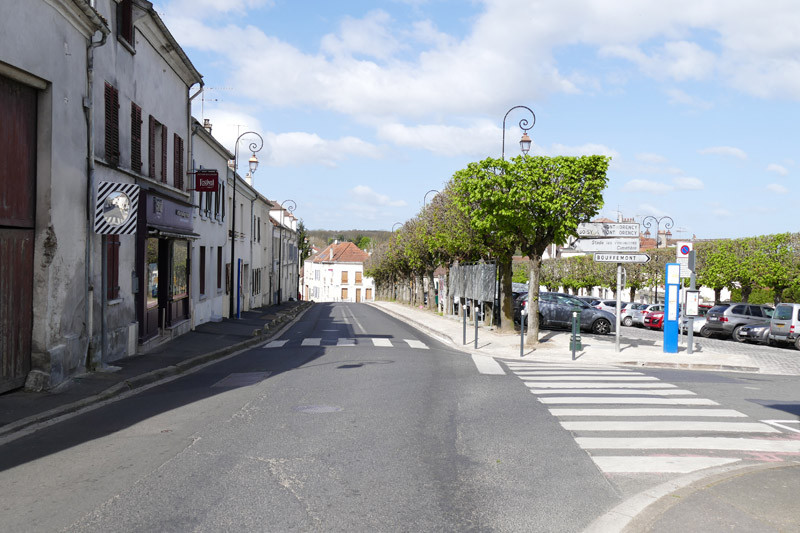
x=601, y=326
x=737, y=334
x=705, y=332
x=627, y=321
x=797, y=343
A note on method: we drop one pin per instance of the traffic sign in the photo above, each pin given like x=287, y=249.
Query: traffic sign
x=607, y=229
x=682, y=253
x=621, y=258
x=621, y=244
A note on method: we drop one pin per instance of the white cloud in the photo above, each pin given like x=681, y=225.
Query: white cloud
x=678, y=60
x=656, y=187
x=367, y=196
x=688, y=184
x=369, y=37
x=480, y=139
x=583, y=149
x=777, y=188
x=649, y=209
x=778, y=169
x=724, y=150
x=679, y=97
x=651, y=158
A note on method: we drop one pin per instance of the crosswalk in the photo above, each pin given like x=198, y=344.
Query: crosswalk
x=631, y=423
x=375, y=342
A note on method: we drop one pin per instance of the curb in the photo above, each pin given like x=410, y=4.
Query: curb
x=693, y=366
x=419, y=325
x=154, y=376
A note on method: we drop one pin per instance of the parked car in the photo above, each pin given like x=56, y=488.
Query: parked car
x=638, y=314
x=698, y=322
x=785, y=324
x=654, y=320
x=606, y=305
x=587, y=299
x=725, y=319
x=757, y=333
x=626, y=318
x=555, y=311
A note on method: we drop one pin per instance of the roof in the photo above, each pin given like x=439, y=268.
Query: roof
x=342, y=252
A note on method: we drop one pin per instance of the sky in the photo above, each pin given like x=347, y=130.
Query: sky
x=366, y=106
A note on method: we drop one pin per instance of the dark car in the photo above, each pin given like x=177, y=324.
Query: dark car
x=725, y=320
x=758, y=333
x=555, y=311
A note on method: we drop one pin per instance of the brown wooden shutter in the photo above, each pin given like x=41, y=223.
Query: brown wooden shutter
x=136, y=138
x=163, y=153
x=202, y=270
x=125, y=20
x=112, y=125
x=178, y=162
x=151, y=148
x=112, y=242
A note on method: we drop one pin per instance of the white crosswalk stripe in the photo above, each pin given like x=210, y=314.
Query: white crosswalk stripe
x=632, y=423
x=377, y=342
x=311, y=342
x=381, y=342
x=276, y=344
x=416, y=344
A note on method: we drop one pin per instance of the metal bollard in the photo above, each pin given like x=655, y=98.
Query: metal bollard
x=523, y=316
x=575, y=340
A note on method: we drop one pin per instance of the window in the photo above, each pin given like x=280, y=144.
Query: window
x=219, y=267
x=180, y=273
x=344, y=276
x=259, y=229
x=157, y=150
x=202, y=270
x=256, y=281
x=136, y=138
x=112, y=249
x=216, y=201
x=125, y=20
x=368, y=294
x=112, y=125
x=358, y=278
x=344, y=294
x=177, y=162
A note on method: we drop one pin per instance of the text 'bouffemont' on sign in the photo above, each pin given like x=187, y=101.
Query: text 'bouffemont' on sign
x=206, y=181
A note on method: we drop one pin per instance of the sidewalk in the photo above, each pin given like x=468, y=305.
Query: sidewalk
x=209, y=341
x=554, y=346
x=743, y=497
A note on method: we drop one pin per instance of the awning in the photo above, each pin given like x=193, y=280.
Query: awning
x=170, y=233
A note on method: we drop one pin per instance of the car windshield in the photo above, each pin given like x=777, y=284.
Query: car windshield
x=783, y=312
x=768, y=311
x=718, y=309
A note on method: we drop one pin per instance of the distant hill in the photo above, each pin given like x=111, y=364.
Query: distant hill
x=363, y=238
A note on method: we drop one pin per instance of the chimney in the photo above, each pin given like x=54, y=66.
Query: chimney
x=331, y=253
x=249, y=179
x=207, y=125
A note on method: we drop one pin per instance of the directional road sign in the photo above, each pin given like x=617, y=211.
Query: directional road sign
x=607, y=229
x=621, y=244
x=621, y=258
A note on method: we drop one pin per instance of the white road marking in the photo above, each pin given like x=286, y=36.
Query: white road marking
x=597, y=373
x=416, y=344
x=667, y=425
x=781, y=424
x=582, y=378
x=641, y=392
x=523, y=366
x=276, y=344
x=689, y=443
x=649, y=411
x=346, y=342
x=353, y=316
x=310, y=342
x=487, y=365
x=625, y=400
x=381, y=342
x=598, y=385
x=646, y=464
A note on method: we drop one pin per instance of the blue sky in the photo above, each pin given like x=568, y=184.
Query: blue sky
x=365, y=106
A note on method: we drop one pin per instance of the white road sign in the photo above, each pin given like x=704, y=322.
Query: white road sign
x=621, y=258
x=607, y=229
x=622, y=244
x=682, y=254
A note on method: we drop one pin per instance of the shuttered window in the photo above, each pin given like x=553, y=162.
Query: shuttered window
x=163, y=153
x=112, y=125
x=151, y=148
x=136, y=138
x=125, y=20
x=112, y=247
x=177, y=155
x=202, y=270
x=344, y=276
x=219, y=267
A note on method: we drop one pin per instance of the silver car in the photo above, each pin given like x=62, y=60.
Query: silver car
x=638, y=314
x=626, y=318
x=785, y=324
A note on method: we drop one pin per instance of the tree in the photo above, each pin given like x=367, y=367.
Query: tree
x=303, y=242
x=532, y=202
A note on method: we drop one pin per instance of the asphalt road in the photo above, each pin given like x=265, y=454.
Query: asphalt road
x=350, y=421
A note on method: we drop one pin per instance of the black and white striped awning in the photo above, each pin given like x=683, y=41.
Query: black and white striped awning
x=116, y=208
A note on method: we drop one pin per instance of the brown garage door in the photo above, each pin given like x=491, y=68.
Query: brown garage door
x=18, y=191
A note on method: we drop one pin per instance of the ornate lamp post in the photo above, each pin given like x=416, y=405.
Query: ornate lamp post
x=525, y=141
x=253, y=163
x=397, y=224
x=648, y=222
x=290, y=208
x=425, y=199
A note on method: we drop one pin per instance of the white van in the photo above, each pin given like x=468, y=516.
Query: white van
x=785, y=324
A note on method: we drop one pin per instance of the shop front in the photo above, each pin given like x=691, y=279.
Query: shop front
x=162, y=257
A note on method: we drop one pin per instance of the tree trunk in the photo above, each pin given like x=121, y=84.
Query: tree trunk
x=448, y=302
x=746, y=290
x=431, y=291
x=532, y=338
x=717, y=295
x=632, y=293
x=506, y=305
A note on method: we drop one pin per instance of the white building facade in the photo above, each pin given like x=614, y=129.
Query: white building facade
x=336, y=274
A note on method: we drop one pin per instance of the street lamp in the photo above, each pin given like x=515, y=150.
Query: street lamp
x=253, y=164
x=397, y=224
x=425, y=199
x=525, y=141
x=291, y=209
x=648, y=222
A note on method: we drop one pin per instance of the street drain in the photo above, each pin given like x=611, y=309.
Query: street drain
x=317, y=409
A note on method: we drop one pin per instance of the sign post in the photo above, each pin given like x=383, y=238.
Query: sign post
x=671, y=307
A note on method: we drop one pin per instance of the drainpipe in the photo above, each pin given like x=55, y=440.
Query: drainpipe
x=88, y=109
x=190, y=165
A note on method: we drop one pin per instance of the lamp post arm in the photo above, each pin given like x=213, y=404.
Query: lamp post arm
x=523, y=124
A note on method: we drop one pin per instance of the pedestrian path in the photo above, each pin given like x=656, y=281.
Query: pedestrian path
x=629, y=422
x=374, y=342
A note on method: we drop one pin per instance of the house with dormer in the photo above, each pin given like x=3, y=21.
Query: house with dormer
x=336, y=274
